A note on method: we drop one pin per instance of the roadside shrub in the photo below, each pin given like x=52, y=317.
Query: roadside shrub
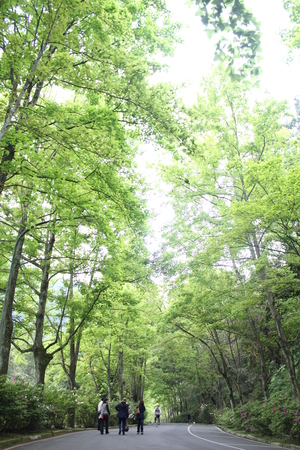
x=206, y=415
x=27, y=407
x=86, y=409
x=224, y=418
x=253, y=417
x=284, y=419
x=56, y=405
x=278, y=417
x=20, y=406
x=113, y=420
x=180, y=418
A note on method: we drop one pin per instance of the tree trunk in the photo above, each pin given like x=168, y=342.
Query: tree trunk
x=6, y=325
x=108, y=378
x=223, y=371
x=237, y=365
x=120, y=374
x=41, y=361
x=143, y=379
x=8, y=156
x=93, y=377
x=220, y=401
x=264, y=374
x=38, y=348
x=282, y=339
x=74, y=352
x=76, y=339
x=230, y=391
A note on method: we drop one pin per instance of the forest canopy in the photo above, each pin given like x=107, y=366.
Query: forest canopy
x=87, y=308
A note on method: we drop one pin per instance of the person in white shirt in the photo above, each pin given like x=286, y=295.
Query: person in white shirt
x=157, y=413
x=104, y=413
x=99, y=413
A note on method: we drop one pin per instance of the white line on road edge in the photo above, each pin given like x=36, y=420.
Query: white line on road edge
x=247, y=439
x=213, y=442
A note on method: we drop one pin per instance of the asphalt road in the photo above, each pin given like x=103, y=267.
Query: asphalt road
x=164, y=437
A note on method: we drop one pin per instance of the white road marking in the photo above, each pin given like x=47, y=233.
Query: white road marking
x=213, y=442
x=240, y=437
x=230, y=446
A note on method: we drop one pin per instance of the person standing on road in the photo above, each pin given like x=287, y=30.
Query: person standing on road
x=122, y=415
x=140, y=416
x=104, y=416
x=157, y=413
x=99, y=412
x=189, y=417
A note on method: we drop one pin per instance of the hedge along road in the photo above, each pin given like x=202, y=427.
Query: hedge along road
x=164, y=437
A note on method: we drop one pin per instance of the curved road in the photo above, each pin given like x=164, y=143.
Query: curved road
x=164, y=437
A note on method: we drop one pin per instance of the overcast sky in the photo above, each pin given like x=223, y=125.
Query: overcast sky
x=193, y=60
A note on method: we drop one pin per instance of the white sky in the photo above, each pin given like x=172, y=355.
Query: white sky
x=193, y=60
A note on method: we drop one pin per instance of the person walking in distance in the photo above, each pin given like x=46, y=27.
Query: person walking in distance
x=104, y=416
x=139, y=414
x=122, y=415
x=157, y=413
x=189, y=417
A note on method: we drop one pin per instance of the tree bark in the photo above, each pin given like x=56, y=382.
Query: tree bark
x=237, y=365
x=6, y=325
x=74, y=352
x=41, y=362
x=93, y=377
x=41, y=358
x=282, y=339
x=75, y=340
x=264, y=374
x=120, y=374
x=223, y=371
x=8, y=156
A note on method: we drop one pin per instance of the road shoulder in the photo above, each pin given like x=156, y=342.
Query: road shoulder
x=256, y=439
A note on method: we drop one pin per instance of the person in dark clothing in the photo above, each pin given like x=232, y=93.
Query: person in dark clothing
x=122, y=415
x=140, y=417
x=189, y=417
x=104, y=413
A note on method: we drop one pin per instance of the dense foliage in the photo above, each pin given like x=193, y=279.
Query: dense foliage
x=209, y=325
x=232, y=256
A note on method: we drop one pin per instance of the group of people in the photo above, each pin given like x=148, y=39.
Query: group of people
x=123, y=413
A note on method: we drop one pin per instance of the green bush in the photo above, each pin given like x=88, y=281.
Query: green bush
x=284, y=420
x=57, y=404
x=180, y=418
x=253, y=418
x=86, y=409
x=26, y=407
x=206, y=415
x=278, y=417
x=224, y=418
x=20, y=406
x=62, y=404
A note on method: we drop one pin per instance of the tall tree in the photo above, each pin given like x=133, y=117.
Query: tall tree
x=82, y=46
x=220, y=202
x=99, y=195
